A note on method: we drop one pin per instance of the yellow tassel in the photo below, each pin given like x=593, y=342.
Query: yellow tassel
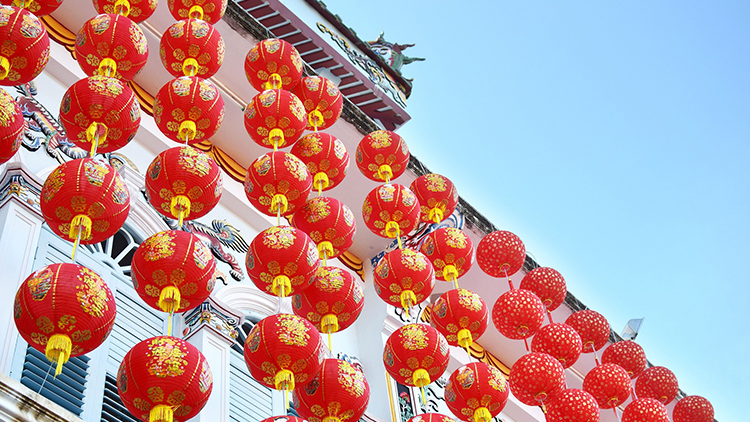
x=450, y=272
x=187, y=130
x=4, y=67
x=321, y=181
x=276, y=138
x=315, y=118
x=196, y=12
x=464, y=338
x=281, y=286
x=273, y=82
x=122, y=8
x=279, y=203
x=107, y=67
x=325, y=249
x=284, y=380
x=392, y=229
x=58, y=350
x=96, y=133
x=80, y=223
x=407, y=299
x=482, y=414
x=435, y=215
x=331, y=419
x=385, y=172
x=190, y=67
x=169, y=299
x=161, y=413
x=180, y=207
x=329, y=324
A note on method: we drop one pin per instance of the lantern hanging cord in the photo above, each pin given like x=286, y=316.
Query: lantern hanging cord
x=526, y=343
x=46, y=375
x=505, y=270
x=75, y=243
x=596, y=357
x=450, y=273
x=390, y=396
x=617, y=417
x=549, y=315
x=278, y=216
x=80, y=227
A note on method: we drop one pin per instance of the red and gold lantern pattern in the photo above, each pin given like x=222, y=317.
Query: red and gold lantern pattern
x=192, y=46
x=476, y=392
x=657, y=382
x=628, y=354
x=431, y=417
x=273, y=63
x=164, y=378
x=12, y=126
x=548, y=284
x=609, y=384
x=450, y=251
x=282, y=351
x=573, y=405
x=100, y=110
x=329, y=223
x=339, y=392
x=137, y=10
x=114, y=37
x=391, y=210
x=282, y=261
x=536, y=378
x=415, y=355
x=592, y=327
x=277, y=183
x=210, y=11
x=518, y=314
x=461, y=316
x=64, y=310
x=501, y=253
x=333, y=302
x=382, y=155
x=188, y=109
x=24, y=49
x=37, y=7
x=325, y=157
x=275, y=118
x=693, y=409
x=560, y=341
x=645, y=410
x=322, y=100
x=404, y=278
x=437, y=197
x=85, y=196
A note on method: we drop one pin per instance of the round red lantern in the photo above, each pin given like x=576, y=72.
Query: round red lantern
x=518, y=314
x=84, y=200
x=404, y=278
x=282, y=351
x=273, y=64
x=329, y=223
x=137, y=10
x=275, y=118
x=592, y=327
x=628, y=354
x=282, y=261
x=461, y=316
x=391, y=210
x=210, y=11
x=12, y=126
x=163, y=379
x=657, y=382
x=536, y=378
x=693, y=409
x=338, y=393
x=609, y=384
x=333, y=302
x=645, y=410
x=24, y=50
x=501, y=253
x=37, y=7
x=322, y=100
x=548, y=284
x=382, y=155
x=188, y=109
x=431, y=417
x=100, y=114
x=112, y=45
x=325, y=157
x=573, y=405
x=560, y=341
x=277, y=183
x=437, y=197
x=450, y=251
x=64, y=310
x=415, y=355
x=476, y=392
x=192, y=47
x=183, y=183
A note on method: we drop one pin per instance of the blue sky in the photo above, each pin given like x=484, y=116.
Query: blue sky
x=613, y=138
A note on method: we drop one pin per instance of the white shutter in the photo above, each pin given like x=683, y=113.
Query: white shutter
x=249, y=400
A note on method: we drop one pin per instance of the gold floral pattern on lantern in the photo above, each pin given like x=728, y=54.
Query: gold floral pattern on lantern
x=279, y=237
x=159, y=246
x=167, y=358
x=92, y=294
x=351, y=380
x=295, y=333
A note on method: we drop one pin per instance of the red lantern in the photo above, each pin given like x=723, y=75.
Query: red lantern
x=415, y=355
x=272, y=64
x=592, y=327
x=322, y=100
x=560, y=341
x=192, y=47
x=609, y=384
x=282, y=261
x=693, y=409
x=450, y=251
x=136, y=10
x=329, y=223
x=277, y=183
x=64, y=310
x=518, y=314
x=275, y=118
x=628, y=354
x=326, y=159
x=339, y=392
x=163, y=379
x=548, y=284
x=461, y=316
x=100, y=114
x=404, y=278
x=86, y=200
x=12, y=126
x=188, y=109
x=645, y=410
x=282, y=351
x=382, y=155
x=112, y=45
x=573, y=405
x=501, y=253
x=431, y=417
x=24, y=49
x=536, y=378
x=657, y=382
x=476, y=392
x=437, y=197
x=333, y=302
x=37, y=7
x=210, y=11
x=391, y=210
x=183, y=182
